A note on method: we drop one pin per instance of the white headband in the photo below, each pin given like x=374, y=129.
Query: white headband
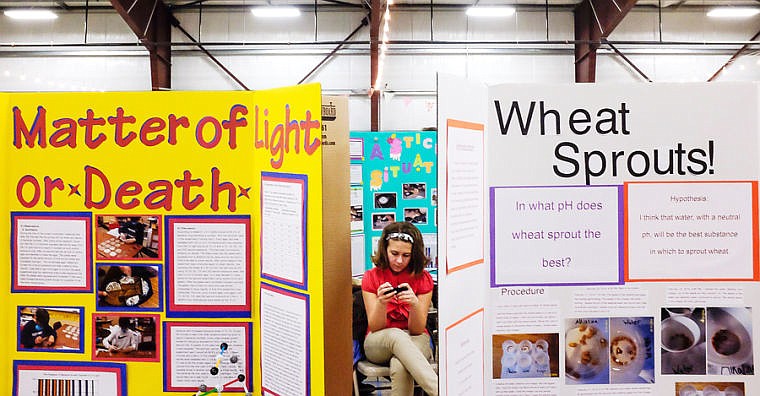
x=400, y=235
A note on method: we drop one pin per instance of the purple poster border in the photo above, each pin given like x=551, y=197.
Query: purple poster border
x=492, y=231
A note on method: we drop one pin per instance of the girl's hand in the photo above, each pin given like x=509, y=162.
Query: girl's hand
x=385, y=292
x=407, y=295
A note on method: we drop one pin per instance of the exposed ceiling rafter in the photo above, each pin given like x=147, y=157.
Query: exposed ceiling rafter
x=375, y=17
x=151, y=22
x=594, y=21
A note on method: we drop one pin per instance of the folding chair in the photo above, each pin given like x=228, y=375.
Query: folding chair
x=372, y=370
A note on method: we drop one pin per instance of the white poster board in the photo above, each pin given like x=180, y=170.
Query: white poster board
x=621, y=239
x=462, y=269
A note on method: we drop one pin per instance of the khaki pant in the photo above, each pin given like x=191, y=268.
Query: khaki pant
x=409, y=358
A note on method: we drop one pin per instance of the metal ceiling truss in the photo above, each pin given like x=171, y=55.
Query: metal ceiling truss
x=151, y=22
x=594, y=21
x=743, y=49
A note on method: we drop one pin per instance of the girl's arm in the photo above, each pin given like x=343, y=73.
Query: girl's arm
x=376, y=306
x=418, y=308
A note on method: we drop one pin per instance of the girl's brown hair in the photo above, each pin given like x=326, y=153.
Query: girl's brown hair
x=399, y=231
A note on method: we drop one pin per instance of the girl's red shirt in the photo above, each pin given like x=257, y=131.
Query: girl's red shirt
x=398, y=312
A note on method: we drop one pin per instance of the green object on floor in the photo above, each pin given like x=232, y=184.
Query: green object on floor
x=208, y=392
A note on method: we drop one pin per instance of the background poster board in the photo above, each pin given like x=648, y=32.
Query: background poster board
x=624, y=231
x=393, y=178
x=133, y=200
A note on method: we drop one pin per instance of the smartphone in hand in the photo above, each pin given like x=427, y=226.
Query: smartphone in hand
x=396, y=290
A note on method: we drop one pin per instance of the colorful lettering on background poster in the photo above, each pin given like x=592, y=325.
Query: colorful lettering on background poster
x=395, y=147
x=94, y=131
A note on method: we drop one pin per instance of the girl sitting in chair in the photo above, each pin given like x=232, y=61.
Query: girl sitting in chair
x=397, y=295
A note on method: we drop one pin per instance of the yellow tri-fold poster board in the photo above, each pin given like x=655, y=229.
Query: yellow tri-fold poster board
x=163, y=242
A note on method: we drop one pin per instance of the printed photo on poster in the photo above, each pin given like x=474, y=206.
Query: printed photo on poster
x=385, y=200
x=632, y=350
x=682, y=334
x=121, y=237
x=414, y=190
x=710, y=389
x=357, y=213
x=50, y=329
x=431, y=252
x=380, y=220
x=525, y=355
x=129, y=287
x=587, y=351
x=127, y=337
x=416, y=215
x=53, y=378
x=729, y=341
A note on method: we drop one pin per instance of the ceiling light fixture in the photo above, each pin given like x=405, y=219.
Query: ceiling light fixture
x=490, y=11
x=29, y=14
x=275, y=12
x=733, y=12
x=383, y=47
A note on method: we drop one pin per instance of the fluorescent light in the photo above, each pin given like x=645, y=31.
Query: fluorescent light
x=733, y=12
x=30, y=14
x=490, y=11
x=275, y=12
